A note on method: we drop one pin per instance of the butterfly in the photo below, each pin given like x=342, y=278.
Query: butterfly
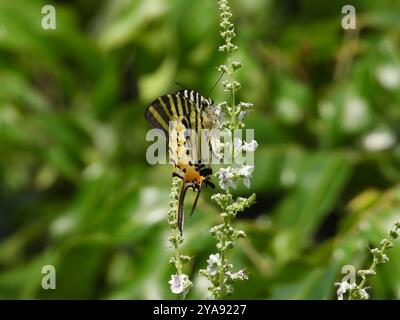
x=185, y=109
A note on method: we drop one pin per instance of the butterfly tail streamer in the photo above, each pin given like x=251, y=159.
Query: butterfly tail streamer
x=195, y=201
x=181, y=214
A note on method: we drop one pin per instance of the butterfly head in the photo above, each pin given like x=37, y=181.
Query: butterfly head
x=206, y=102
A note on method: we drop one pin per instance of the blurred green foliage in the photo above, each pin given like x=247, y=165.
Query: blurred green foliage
x=76, y=191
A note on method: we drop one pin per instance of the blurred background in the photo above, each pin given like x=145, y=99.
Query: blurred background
x=76, y=191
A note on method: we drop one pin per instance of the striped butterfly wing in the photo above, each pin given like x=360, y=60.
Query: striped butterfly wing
x=186, y=108
x=205, y=122
x=203, y=104
x=172, y=107
x=191, y=95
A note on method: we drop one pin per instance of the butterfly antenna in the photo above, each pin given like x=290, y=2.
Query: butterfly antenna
x=219, y=79
x=178, y=84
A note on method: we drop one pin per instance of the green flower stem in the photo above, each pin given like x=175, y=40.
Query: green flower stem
x=219, y=271
x=221, y=251
x=372, y=268
x=379, y=257
x=178, y=263
x=175, y=239
x=222, y=276
x=227, y=27
x=233, y=93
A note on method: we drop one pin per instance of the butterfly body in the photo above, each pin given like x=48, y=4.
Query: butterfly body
x=175, y=114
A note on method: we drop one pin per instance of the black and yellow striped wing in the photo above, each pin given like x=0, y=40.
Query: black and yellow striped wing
x=199, y=100
x=187, y=108
x=172, y=107
x=186, y=104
